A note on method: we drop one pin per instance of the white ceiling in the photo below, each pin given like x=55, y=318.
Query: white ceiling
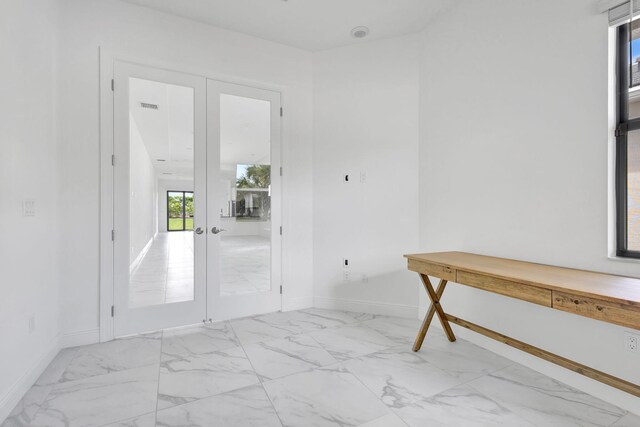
x=167, y=132
x=307, y=24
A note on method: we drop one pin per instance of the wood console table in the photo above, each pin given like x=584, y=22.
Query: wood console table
x=609, y=298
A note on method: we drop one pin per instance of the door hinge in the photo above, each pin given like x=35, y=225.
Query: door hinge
x=281, y=112
x=621, y=130
x=280, y=289
x=113, y=160
x=281, y=230
x=280, y=170
x=112, y=311
x=113, y=235
x=113, y=85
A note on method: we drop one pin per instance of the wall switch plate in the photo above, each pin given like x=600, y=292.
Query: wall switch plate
x=346, y=276
x=345, y=263
x=346, y=178
x=631, y=342
x=28, y=207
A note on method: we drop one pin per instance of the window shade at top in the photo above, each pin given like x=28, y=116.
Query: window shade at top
x=620, y=14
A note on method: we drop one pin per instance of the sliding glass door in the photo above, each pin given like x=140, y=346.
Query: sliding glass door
x=180, y=210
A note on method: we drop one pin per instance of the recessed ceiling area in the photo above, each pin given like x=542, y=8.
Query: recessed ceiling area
x=162, y=117
x=307, y=24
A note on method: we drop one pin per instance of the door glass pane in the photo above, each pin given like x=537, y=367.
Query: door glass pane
x=161, y=203
x=245, y=215
x=633, y=191
x=634, y=71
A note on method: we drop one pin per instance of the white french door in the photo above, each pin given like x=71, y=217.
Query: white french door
x=244, y=204
x=159, y=146
x=196, y=200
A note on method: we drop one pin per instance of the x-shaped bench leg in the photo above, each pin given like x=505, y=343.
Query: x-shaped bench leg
x=435, y=308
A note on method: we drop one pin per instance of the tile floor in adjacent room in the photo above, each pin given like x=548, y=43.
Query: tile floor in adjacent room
x=304, y=368
x=165, y=273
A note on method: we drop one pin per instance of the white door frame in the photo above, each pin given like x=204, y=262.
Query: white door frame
x=107, y=59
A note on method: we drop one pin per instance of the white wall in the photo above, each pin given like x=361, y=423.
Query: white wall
x=167, y=40
x=143, y=212
x=513, y=163
x=28, y=245
x=366, y=120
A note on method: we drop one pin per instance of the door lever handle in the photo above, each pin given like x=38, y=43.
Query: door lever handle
x=199, y=230
x=216, y=230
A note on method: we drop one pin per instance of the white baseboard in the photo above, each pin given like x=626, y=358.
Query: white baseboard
x=24, y=383
x=373, y=307
x=74, y=339
x=595, y=388
x=296, y=303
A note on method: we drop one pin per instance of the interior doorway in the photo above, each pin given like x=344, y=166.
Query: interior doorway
x=196, y=202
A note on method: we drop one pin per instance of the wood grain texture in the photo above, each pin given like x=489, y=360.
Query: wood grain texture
x=508, y=288
x=607, y=287
x=606, y=311
x=603, y=377
x=440, y=271
x=417, y=345
x=435, y=303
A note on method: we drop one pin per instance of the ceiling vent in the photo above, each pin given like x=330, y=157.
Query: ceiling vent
x=360, y=32
x=149, y=106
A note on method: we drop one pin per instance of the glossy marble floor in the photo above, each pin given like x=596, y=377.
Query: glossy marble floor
x=165, y=273
x=305, y=368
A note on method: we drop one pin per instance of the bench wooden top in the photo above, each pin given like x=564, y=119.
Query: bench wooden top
x=619, y=289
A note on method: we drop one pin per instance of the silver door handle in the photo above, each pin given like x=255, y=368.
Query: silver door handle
x=216, y=230
x=199, y=230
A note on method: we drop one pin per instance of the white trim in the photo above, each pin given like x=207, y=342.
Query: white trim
x=106, y=196
x=136, y=262
x=78, y=338
x=19, y=388
x=361, y=306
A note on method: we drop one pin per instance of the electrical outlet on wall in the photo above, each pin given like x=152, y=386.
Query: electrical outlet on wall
x=631, y=342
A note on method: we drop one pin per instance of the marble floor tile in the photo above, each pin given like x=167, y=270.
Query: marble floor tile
x=324, y=397
x=188, y=378
x=100, y=400
x=460, y=406
x=262, y=328
x=147, y=420
x=113, y=356
x=461, y=359
x=201, y=339
x=286, y=356
x=246, y=407
x=629, y=420
x=545, y=401
x=307, y=368
x=25, y=411
x=351, y=341
x=398, y=329
x=399, y=376
x=389, y=420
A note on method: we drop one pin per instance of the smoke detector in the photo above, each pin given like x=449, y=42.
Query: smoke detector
x=360, y=32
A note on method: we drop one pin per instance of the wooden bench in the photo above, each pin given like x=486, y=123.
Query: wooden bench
x=605, y=297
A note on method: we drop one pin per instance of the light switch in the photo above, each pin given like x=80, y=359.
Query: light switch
x=28, y=208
